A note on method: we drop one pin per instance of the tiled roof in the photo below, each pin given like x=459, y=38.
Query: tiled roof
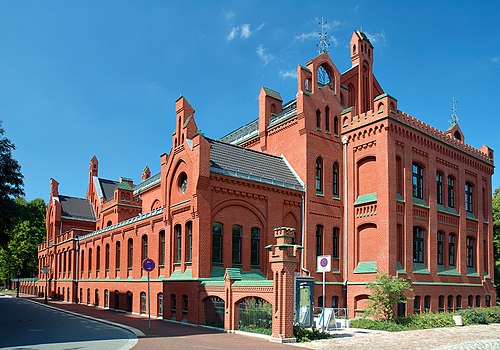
x=247, y=164
x=108, y=188
x=76, y=208
x=151, y=181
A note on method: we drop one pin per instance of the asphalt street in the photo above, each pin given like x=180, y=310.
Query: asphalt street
x=25, y=324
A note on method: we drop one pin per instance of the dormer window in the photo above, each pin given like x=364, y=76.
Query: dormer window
x=457, y=136
x=325, y=77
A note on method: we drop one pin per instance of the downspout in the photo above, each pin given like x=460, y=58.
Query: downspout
x=346, y=223
x=77, y=263
x=302, y=258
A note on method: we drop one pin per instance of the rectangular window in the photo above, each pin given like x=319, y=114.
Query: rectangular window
x=255, y=246
x=178, y=243
x=217, y=242
x=450, y=303
x=236, y=246
x=335, y=179
x=416, y=304
x=441, y=303
x=439, y=188
x=440, y=248
x=130, y=253
x=468, y=197
x=319, y=240
x=117, y=256
x=459, y=302
x=418, y=244
x=189, y=243
x=427, y=303
x=336, y=239
x=144, y=251
x=418, y=181
x=162, y=248
x=319, y=175
x=327, y=119
x=470, y=251
x=451, y=250
x=451, y=192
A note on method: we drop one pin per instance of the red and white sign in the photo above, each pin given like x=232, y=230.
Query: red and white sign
x=323, y=263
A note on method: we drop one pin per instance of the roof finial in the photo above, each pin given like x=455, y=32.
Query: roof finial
x=454, y=117
x=323, y=43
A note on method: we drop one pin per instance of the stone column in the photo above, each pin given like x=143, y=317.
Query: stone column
x=284, y=262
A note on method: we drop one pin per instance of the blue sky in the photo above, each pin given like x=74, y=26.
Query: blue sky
x=79, y=78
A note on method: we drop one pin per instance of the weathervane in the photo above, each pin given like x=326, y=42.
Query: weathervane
x=323, y=43
x=454, y=116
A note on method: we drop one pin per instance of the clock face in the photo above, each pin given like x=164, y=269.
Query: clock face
x=324, y=78
x=183, y=183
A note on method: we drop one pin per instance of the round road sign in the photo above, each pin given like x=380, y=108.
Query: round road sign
x=148, y=264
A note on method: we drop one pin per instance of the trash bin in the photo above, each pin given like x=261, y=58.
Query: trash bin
x=458, y=320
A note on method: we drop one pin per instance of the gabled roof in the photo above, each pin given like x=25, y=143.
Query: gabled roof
x=105, y=188
x=76, y=208
x=149, y=182
x=247, y=164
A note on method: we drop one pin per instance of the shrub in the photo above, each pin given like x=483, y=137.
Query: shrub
x=493, y=314
x=473, y=316
x=366, y=323
x=430, y=320
x=306, y=335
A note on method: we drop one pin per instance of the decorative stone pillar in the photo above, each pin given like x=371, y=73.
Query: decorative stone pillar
x=230, y=316
x=284, y=262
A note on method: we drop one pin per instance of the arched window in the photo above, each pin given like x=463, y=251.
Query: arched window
x=130, y=255
x=470, y=251
x=143, y=302
x=88, y=296
x=450, y=303
x=160, y=304
x=427, y=303
x=255, y=246
x=173, y=303
x=161, y=249
x=470, y=301
x=189, y=241
x=144, y=250
x=468, y=197
x=98, y=259
x=117, y=256
x=319, y=175
x=439, y=187
x=416, y=304
x=217, y=242
x=185, y=304
x=441, y=303
x=327, y=119
x=236, y=244
x=451, y=192
x=106, y=258
x=336, y=243
x=459, y=302
x=178, y=243
x=440, y=236
x=117, y=300
x=106, y=298
x=69, y=261
x=418, y=181
x=336, y=126
x=96, y=297
x=319, y=240
x=335, y=179
x=318, y=119
x=82, y=263
x=418, y=244
x=478, y=301
x=90, y=260
x=451, y=249
x=109, y=223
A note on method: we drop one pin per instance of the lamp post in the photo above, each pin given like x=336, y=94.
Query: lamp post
x=17, y=291
x=46, y=270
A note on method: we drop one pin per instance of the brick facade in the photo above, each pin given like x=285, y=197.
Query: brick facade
x=344, y=139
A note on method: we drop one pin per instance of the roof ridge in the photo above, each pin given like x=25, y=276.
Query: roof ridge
x=243, y=148
x=63, y=195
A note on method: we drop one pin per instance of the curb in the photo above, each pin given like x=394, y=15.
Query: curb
x=135, y=331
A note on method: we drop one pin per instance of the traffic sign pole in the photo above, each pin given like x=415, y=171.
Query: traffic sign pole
x=149, y=303
x=149, y=265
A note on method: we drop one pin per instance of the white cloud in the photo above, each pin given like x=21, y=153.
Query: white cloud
x=307, y=36
x=229, y=15
x=264, y=56
x=289, y=74
x=334, y=41
x=260, y=27
x=232, y=34
x=245, y=31
x=495, y=59
x=376, y=37
x=336, y=24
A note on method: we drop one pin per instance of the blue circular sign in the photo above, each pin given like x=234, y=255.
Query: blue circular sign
x=323, y=262
x=148, y=265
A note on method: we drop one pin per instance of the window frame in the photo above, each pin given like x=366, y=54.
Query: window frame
x=319, y=176
x=439, y=187
x=451, y=250
x=335, y=181
x=217, y=238
x=469, y=197
x=319, y=240
x=255, y=246
x=417, y=181
x=418, y=245
x=451, y=191
x=440, y=248
x=236, y=244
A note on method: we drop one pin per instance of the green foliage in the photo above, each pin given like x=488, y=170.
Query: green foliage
x=306, y=335
x=386, y=292
x=11, y=185
x=492, y=314
x=496, y=237
x=254, y=329
x=473, y=316
x=368, y=323
x=255, y=315
x=18, y=258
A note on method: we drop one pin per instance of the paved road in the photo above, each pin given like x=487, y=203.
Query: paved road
x=25, y=324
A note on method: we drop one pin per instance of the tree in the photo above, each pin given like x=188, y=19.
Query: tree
x=496, y=237
x=11, y=185
x=18, y=258
x=386, y=293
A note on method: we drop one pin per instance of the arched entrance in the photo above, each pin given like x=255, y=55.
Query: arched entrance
x=214, y=312
x=255, y=315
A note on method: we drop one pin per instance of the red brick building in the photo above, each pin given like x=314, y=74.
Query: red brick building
x=361, y=181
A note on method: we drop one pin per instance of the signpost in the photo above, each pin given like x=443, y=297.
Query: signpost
x=149, y=265
x=46, y=271
x=323, y=264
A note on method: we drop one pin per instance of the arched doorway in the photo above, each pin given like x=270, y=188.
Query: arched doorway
x=255, y=315
x=214, y=312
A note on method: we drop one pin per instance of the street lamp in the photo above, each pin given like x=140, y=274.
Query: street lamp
x=46, y=270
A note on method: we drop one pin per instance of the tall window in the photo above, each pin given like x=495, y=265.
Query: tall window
x=117, y=255
x=217, y=242
x=470, y=251
x=439, y=188
x=143, y=302
x=255, y=246
x=189, y=242
x=82, y=262
x=336, y=179
x=318, y=119
x=319, y=175
x=144, y=250
x=90, y=259
x=336, y=126
x=440, y=248
x=418, y=244
x=160, y=304
x=161, y=248
x=319, y=240
x=98, y=259
x=468, y=197
x=459, y=302
x=416, y=304
x=178, y=243
x=236, y=246
x=327, y=119
x=106, y=258
x=450, y=302
x=451, y=249
x=451, y=192
x=441, y=303
x=427, y=303
x=336, y=242
x=418, y=181
x=470, y=301
x=130, y=257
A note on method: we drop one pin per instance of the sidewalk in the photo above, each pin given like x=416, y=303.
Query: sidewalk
x=168, y=335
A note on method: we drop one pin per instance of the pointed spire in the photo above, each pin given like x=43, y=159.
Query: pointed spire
x=323, y=43
x=454, y=116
